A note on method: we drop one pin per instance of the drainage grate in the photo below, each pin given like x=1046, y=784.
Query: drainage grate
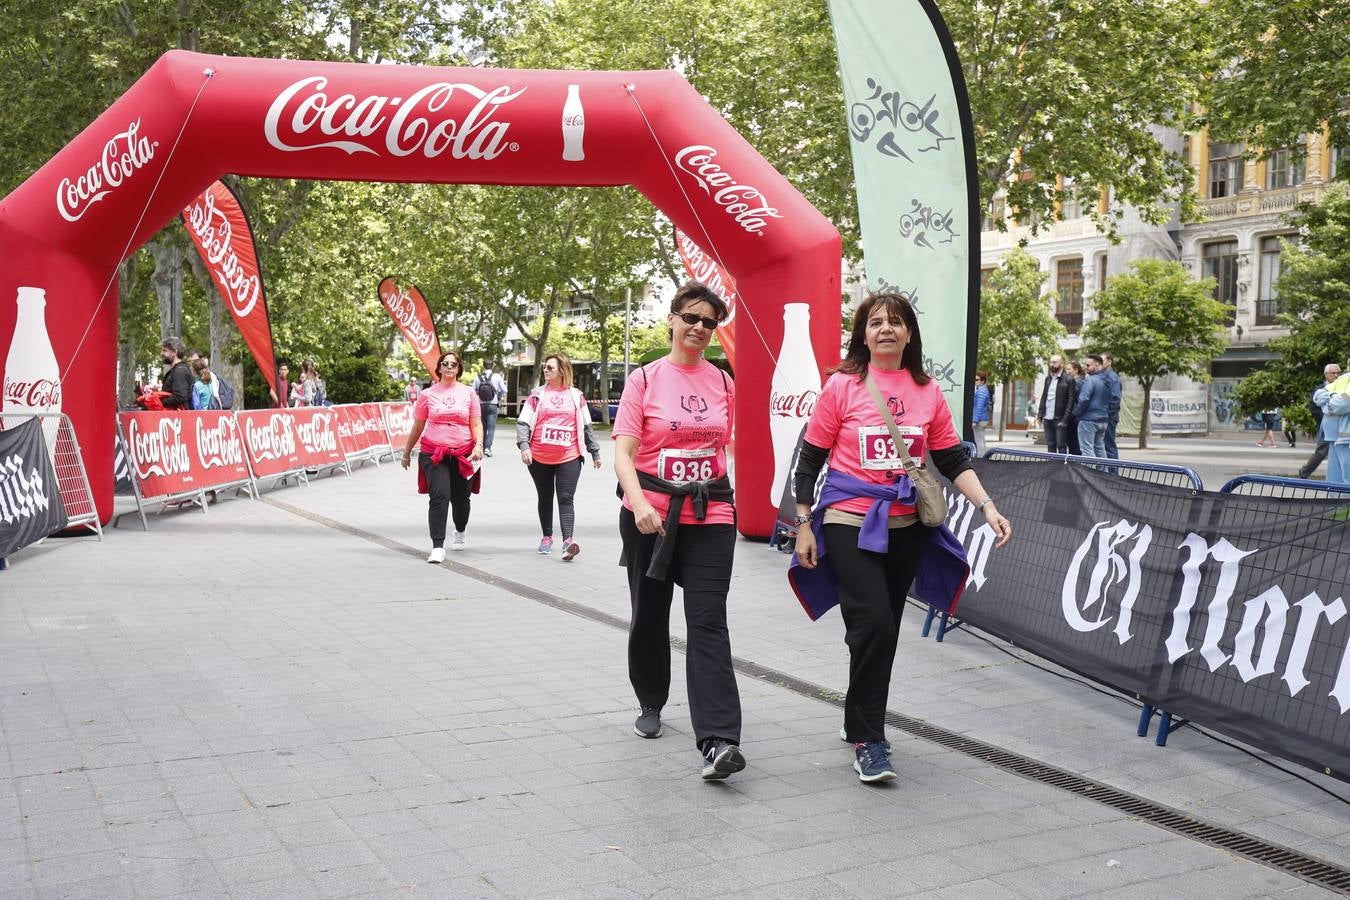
x=1309, y=868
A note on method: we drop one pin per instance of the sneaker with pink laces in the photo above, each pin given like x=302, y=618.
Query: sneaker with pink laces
x=546, y=545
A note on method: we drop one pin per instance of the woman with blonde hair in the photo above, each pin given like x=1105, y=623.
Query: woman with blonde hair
x=554, y=425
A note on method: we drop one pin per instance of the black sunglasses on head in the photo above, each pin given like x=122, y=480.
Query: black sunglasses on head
x=691, y=319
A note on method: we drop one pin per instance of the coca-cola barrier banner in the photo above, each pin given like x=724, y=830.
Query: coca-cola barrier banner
x=408, y=308
x=117, y=183
x=287, y=440
x=219, y=230
x=705, y=268
x=1224, y=609
x=181, y=452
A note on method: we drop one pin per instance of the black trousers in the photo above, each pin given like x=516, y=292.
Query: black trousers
x=872, y=591
x=1319, y=455
x=703, y=556
x=560, y=479
x=449, y=490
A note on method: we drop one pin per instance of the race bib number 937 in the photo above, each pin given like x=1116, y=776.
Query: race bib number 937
x=876, y=449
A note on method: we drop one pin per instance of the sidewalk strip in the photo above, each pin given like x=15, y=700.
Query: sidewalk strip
x=1311, y=869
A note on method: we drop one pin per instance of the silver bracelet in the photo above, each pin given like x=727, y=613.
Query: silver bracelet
x=983, y=503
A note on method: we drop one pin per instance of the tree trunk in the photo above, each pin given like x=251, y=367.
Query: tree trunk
x=1143, y=414
x=604, y=373
x=162, y=282
x=221, y=329
x=1003, y=413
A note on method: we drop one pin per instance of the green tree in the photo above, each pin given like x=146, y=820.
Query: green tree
x=1155, y=321
x=1016, y=328
x=1289, y=72
x=1314, y=293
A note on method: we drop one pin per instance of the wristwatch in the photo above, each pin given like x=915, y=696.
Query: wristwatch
x=801, y=519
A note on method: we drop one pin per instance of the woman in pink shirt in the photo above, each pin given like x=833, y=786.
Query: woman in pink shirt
x=678, y=525
x=554, y=424
x=848, y=426
x=448, y=430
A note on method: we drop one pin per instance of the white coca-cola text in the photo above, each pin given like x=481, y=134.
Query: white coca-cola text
x=273, y=438
x=41, y=393
x=744, y=202
x=398, y=421
x=161, y=451
x=317, y=435
x=798, y=405
x=219, y=444
x=404, y=311
x=302, y=116
x=215, y=235
x=124, y=155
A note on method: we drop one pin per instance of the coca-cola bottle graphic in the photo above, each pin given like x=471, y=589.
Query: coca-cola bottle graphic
x=792, y=392
x=573, y=125
x=32, y=377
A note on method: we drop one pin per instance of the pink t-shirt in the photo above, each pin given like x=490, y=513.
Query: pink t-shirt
x=681, y=417
x=447, y=412
x=847, y=421
x=554, y=438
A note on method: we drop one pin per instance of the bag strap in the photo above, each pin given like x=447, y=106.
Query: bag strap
x=886, y=416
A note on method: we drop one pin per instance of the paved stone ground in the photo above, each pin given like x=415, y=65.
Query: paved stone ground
x=280, y=699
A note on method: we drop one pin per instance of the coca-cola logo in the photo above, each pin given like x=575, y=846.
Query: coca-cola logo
x=398, y=419
x=126, y=153
x=303, y=116
x=704, y=268
x=317, y=435
x=215, y=236
x=40, y=394
x=744, y=202
x=219, y=444
x=403, y=308
x=160, y=451
x=271, y=439
x=798, y=405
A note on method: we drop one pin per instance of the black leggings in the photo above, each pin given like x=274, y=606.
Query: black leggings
x=872, y=591
x=448, y=489
x=559, y=478
x=703, y=556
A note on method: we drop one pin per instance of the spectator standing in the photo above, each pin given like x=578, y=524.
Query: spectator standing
x=1091, y=410
x=412, y=391
x=203, y=396
x=981, y=409
x=1113, y=395
x=1056, y=403
x=283, y=394
x=1330, y=372
x=1334, y=398
x=491, y=390
x=1077, y=373
x=177, y=376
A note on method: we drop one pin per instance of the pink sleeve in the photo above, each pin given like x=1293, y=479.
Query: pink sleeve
x=475, y=405
x=629, y=421
x=941, y=429
x=823, y=426
x=420, y=407
x=731, y=410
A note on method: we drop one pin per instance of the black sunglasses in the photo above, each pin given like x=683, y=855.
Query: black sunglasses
x=691, y=319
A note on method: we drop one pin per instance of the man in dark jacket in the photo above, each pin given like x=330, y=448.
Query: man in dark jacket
x=177, y=377
x=1091, y=410
x=1112, y=404
x=1057, y=396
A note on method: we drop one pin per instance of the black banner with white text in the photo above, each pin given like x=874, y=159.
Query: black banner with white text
x=30, y=498
x=1224, y=609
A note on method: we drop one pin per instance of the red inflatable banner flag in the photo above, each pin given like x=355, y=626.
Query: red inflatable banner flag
x=220, y=231
x=408, y=308
x=702, y=267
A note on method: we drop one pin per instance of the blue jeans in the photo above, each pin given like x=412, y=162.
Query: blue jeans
x=1092, y=439
x=1111, y=450
x=1338, y=464
x=489, y=424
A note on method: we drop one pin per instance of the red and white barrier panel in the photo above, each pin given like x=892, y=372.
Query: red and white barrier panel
x=282, y=442
x=376, y=431
x=398, y=423
x=182, y=454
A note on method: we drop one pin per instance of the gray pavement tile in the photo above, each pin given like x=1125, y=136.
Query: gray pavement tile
x=337, y=855
x=292, y=887
x=118, y=887
x=82, y=819
x=57, y=844
x=405, y=844
x=69, y=868
x=929, y=871
x=468, y=887
x=260, y=867
x=980, y=889
x=397, y=821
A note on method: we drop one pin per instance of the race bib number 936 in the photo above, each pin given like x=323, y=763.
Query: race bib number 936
x=684, y=466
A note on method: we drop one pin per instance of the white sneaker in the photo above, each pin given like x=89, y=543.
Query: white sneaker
x=437, y=555
x=457, y=542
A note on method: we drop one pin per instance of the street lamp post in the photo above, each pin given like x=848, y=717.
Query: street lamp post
x=627, y=328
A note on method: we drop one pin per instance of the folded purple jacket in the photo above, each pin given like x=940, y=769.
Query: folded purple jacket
x=943, y=568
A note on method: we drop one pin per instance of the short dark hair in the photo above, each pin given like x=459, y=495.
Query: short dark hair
x=176, y=345
x=459, y=364
x=692, y=292
x=1095, y=357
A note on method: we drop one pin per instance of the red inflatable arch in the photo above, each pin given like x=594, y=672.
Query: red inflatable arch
x=193, y=117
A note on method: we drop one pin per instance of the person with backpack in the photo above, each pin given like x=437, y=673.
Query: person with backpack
x=678, y=524
x=491, y=391
x=554, y=424
x=203, y=397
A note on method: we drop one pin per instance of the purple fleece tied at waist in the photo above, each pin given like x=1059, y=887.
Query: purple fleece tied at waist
x=943, y=569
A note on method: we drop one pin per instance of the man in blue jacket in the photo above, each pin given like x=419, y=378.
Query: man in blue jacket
x=1091, y=410
x=1112, y=404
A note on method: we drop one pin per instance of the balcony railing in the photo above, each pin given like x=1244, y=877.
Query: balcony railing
x=1259, y=202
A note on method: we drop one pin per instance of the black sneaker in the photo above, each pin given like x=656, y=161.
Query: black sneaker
x=648, y=724
x=843, y=736
x=721, y=758
x=871, y=763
